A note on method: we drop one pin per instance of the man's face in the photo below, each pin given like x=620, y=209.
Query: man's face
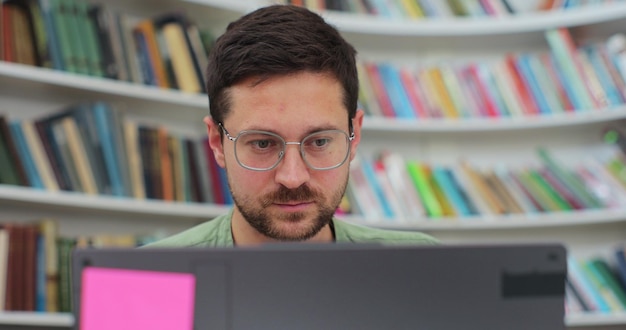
x=290, y=202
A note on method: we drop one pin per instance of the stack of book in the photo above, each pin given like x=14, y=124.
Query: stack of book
x=94, y=149
x=168, y=51
x=568, y=78
x=437, y=9
x=35, y=264
x=409, y=191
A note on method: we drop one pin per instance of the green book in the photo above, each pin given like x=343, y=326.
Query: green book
x=540, y=195
x=426, y=192
x=608, y=278
x=570, y=181
x=75, y=30
x=89, y=40
x=550, y=192
x=61, y=24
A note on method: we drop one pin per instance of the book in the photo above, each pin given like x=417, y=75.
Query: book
x=392, y=82
x=567, y=179
x=600, y=284
x=13, y=171
x=182, y=61
x=444, y=179
x=477, y=180
x=147, y=38
x=78, y=154
x=25, y=155
x=421, y=182
x=135, y=164
x=48, y=229
x=605, y=273
x=380, y=91
x=4, y=265
x=414, y=92
x=564, y=50
x=40, y=159
x=395, y=168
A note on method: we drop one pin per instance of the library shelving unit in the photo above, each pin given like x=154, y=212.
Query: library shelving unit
x=28, y=92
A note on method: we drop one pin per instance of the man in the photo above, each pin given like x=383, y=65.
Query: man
x=283, y=90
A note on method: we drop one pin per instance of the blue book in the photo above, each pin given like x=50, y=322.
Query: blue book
x=577, y=274
x=228, y=198
x=40, y=276
x=452, y=190
x=93, y=147
x=612, y=93
x=145, y=62
x=53, y=42
x=523, y=65
x=620, y=257
x=106, y=131
x=368, y=170
x=486, y=76
x=395, y=89
x=567, y=86
x=32, y=174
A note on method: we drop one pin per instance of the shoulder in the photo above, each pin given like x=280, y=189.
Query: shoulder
x=215, y=232
x=348, y=232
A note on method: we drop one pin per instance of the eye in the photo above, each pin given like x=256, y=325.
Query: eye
x=262, y=144
x=320, y=142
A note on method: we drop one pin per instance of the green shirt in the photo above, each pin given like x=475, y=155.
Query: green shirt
x=217, y=233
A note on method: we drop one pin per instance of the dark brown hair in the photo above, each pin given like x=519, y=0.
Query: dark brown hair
x=279, y=40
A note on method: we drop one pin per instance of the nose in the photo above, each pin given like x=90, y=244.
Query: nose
x=292, y=171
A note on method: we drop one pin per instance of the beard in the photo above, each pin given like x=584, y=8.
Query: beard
x=271, y=225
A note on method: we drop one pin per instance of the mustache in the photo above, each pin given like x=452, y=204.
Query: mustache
x=284, y=195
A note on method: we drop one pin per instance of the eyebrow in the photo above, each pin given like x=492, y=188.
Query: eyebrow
x=308, y=131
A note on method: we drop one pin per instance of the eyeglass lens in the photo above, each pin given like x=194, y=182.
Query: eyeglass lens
x=320, y=150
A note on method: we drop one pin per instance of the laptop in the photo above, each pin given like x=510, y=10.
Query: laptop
x=322, y=287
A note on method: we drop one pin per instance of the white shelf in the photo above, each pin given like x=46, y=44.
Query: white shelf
x=98, y=203
x=44, y=76
x=595, y=319
x=455, y=26
x=494, y=124
x=512, y=222
x=67, y=320
x=195, y=211
x=37, y=319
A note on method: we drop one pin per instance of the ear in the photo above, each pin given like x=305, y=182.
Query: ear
x=357, y=123
x=214, y=133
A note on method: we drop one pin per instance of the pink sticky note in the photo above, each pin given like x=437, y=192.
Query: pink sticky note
x=133, y=299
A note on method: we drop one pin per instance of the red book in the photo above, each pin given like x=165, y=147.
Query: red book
x=218, y=194
x=547, y=62
x=7, y=34
x=491, y=109
x=561, y=189
x=573, y=53
x=379, y=89
x=528, y=102
x=413, y=90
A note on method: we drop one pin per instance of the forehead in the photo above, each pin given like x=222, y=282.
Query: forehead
x=301, y=101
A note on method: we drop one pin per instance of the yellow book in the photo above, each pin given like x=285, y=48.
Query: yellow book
x=79, y=156
x=42, y=163
x=135, y=164
x=476, y=179
x=178, y=168
x=442, y=94
x=412, y=9
x=182, y=61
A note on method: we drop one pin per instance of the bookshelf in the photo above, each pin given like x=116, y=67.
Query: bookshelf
x=29, y=92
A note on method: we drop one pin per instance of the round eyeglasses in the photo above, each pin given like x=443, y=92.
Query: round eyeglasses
x=262, y=151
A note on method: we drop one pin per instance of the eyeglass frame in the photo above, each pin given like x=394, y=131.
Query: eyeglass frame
x=350, y=136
